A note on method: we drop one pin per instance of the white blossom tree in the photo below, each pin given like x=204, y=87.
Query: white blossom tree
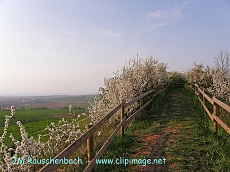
x=216, y=79
x=135, y=78
x=221, y=77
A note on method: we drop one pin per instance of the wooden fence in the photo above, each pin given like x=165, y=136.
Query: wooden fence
x=200, y=92
x=88, y=135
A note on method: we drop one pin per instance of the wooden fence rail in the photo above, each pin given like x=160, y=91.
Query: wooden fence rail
x=88, y=135
x=214, y=101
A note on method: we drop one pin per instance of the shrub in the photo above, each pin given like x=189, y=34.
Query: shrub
x=216, y=79
x=178, y=77
x=132, y=80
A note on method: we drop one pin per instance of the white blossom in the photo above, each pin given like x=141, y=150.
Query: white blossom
x=135, y=78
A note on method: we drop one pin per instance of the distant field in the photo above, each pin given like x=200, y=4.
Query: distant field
x=41, y=108
x=56, y=101
x=33, y=129
x=36, y=113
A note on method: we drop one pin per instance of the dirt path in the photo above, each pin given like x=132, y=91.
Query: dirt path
x=173, y=136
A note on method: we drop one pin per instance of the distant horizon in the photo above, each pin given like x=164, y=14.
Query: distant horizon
x=30, y=95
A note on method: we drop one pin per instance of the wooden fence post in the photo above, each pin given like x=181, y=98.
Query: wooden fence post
x=90, y=146
x=214, y=113
x=121, y=119
x=195, y=94
x=161, y=93
x=141, y=104
x=156, y=103
x=203, y=100
x=198, y=96
x=203, y=97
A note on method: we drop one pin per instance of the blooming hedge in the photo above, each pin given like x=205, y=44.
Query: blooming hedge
x=216, y=79
x=135, y=78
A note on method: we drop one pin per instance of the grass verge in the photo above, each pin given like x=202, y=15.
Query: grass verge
x=174, y=127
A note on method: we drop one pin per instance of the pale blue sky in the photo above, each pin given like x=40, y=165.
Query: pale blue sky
x=68, y=47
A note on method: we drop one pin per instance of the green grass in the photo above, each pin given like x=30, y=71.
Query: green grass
x=34, y=120
x=33, y=129
x=36, y=115
x=189, y=143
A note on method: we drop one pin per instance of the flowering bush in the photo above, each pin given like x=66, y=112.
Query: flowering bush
x=70, y=109
x=24, y=148
x=132, y=80
x=216, y=79
x=64, y=132
x=195, y=75
x=221, y=77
